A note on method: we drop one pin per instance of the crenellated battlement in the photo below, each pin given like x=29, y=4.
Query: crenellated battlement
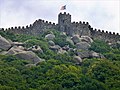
x=80, y=22
x=102, y=31
x=67, y=14
x=104, y=35
x=37, y=27
x=81, y=28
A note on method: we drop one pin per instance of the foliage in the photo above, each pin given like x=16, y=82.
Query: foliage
x=58, y=71
x=16, y=37
x=106, y=72
x=100, y=46
x=114, y=54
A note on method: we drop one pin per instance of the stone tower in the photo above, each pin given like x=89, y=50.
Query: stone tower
x=64, y=22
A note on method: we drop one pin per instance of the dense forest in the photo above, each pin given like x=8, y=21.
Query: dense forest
x=59, y=71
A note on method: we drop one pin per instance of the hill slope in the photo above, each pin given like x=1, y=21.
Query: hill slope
x=55, y=61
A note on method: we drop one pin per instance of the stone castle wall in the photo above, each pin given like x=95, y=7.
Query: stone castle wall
x=104, y=35
x=80, y=28
x=65, y=25
x=72, y=28
x=39, y=26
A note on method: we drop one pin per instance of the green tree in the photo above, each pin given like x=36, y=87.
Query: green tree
x=100, y=46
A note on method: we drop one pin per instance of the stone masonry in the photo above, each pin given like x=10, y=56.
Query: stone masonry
x=65, y=25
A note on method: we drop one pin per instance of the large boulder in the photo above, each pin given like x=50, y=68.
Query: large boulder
x=35, y=48
x=51, y=43
x=83, y=54
x=66, y=47
x=115, y=45
x=76, y=39
x=61, y=51
x=50, y=36
x=96, y=55
x=18, y=44
x=15, y=50
x=77, y=60
x=86, y=39
x=68, y=39
x=83, y=45
x=89, y=54
x=30, y=56
x=71, y=50
x=4, y=44
x=55, y=47
x=19, y=52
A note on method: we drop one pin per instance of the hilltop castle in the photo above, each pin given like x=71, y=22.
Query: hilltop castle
x=65, y=25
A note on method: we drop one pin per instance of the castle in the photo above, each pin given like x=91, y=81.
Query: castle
x=65, y=25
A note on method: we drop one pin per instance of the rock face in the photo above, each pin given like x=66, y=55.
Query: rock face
x=83, y=54
x=50, y=36
x=86, y=39
x=77, y=60
x=51, y=43
x=68, y=39
x=4, y=44
x=66, y=47
x=89, y=54
x=115, y=45
x=61, y=51
x=82, y=45
x=36, y=48
x=94, y=54
x=15, y=50
x=19, y=52
x=55, y=47
x=17, y=44
x=30, y=56
x=76, y=39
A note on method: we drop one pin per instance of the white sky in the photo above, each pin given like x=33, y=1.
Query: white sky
x=101, y=14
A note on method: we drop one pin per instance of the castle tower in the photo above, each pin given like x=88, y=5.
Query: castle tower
x=64, y=22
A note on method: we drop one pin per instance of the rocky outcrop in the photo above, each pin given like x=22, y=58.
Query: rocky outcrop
x=77, y=60
x=68, y=39
x=30, y=56
x=83, y=54
x=17, y=44
x=51, y=43
x=50, y=36
x=15, y=50
x=66, y=47
x=4, y=43
x=82, y=45
x=96, y=55
x=61, y=51
x=20, y=52
x=35, y=48
x=86, y=39
x=76, y=39
x=115, y=45
x=89, y=54
x=55, y=47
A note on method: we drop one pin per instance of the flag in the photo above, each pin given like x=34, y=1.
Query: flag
x=63, y=7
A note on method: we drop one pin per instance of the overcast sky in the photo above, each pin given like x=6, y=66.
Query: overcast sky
x=101, y=14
